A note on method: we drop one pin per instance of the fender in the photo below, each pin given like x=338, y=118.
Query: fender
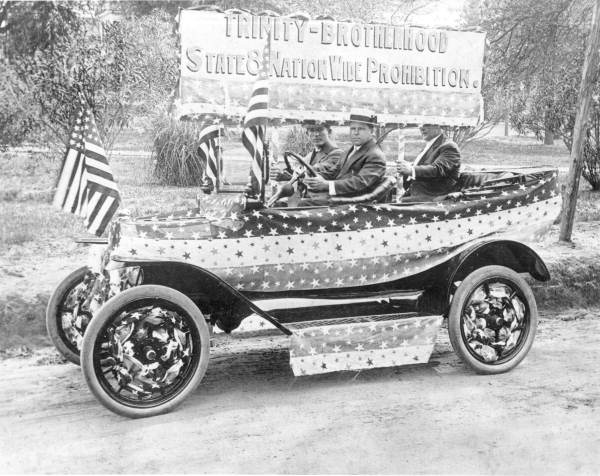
x=193, y=280
x=512, y=254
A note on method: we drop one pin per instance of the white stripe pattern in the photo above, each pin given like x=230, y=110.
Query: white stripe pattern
x=85, y=185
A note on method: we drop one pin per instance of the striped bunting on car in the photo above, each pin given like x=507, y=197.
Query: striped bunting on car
x=343, y=246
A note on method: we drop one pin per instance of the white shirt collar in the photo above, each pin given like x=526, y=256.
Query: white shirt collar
x=430, y=143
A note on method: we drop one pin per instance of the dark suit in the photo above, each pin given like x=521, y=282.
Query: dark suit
x=326, y=163
x=358, y=172
x=437, y=172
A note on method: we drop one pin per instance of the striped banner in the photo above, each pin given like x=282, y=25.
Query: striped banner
x=86, y=186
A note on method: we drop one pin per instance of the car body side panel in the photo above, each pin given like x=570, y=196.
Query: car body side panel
x=213, y=295
x=433, y=287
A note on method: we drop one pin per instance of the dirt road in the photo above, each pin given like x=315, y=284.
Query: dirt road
x=251, y=415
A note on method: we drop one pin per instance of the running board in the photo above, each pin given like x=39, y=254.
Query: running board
x=365, y=342
x=290, y=310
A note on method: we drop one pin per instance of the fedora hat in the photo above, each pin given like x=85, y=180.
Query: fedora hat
x=363, y=116
x=313, y=123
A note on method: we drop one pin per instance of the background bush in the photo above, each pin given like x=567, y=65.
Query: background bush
x=175, y=156
x=296, y=140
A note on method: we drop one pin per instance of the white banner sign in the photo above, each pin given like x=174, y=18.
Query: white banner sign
x=319, y=69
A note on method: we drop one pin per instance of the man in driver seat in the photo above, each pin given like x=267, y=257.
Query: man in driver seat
x=323, y=158
x=361, y=169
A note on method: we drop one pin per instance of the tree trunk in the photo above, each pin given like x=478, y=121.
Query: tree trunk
x=548, y=133
x=590, y=67
x=506, y=123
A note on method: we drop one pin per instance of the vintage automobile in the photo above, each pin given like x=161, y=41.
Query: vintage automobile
x=361, y=283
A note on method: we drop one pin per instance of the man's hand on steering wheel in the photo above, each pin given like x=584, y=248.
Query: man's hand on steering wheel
x=300, y=161
x=300, y=171
x=316, y=184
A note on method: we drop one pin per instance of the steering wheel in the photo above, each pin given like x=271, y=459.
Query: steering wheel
x=309, y=170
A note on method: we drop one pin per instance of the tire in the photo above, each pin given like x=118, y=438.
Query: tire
x=125, y=356
x=65, y=339
x=492, y=320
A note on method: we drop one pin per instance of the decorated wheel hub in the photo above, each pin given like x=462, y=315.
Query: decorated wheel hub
x=494, y=322
x=146, y=354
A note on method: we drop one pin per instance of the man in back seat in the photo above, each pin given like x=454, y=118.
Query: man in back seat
x=435, y=171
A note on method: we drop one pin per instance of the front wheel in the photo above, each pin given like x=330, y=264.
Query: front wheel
x=68, y=314
x=492, y=319
x=145, y=351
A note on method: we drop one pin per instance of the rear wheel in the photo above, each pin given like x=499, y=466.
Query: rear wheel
x=145, y=351
x=67, y=315
x=492, y=319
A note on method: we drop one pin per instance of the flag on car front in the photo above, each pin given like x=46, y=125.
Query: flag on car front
x=209, y=153
x=255, y=122
x=86, y=186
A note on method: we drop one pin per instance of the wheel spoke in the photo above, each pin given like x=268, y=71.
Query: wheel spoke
x=486, y=289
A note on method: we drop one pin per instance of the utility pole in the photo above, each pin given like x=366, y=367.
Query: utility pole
x=590, y=68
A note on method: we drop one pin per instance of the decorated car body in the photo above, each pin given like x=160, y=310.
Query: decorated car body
x=387, y=272
x=363, y=282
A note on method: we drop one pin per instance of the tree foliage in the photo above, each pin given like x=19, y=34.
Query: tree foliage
x=16, y=117
x=62, y=53
x=534, y=60
x=591, y=149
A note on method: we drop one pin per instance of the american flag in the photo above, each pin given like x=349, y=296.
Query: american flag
x=86, y=185
x=279, y=249
x=208, y=151
x=255, y=123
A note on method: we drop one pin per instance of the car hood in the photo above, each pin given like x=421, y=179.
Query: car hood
x=214, y=214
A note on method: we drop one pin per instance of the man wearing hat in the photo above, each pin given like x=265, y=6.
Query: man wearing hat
x=434, y=172
x=324, y=157
x=361, y=169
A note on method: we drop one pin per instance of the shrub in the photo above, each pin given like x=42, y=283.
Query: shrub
x=175, y=156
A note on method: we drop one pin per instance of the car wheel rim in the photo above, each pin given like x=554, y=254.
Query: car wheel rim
x=73, y=315
x=146, y=355
x=495, y=321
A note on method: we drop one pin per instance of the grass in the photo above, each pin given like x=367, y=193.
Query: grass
x=588, y=204
x=31, y=229
x=511, y=151
x=575, y=282
x=34, y=222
